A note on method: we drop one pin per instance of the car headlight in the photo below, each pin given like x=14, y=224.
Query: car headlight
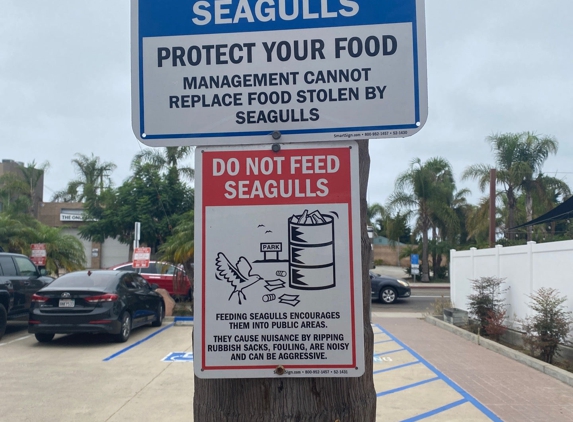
x=403, y=283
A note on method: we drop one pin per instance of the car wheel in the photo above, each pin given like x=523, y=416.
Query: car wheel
x=125, y=329
x=160, y=315
x=388, y=295
x=44, y=337
x=3, y=320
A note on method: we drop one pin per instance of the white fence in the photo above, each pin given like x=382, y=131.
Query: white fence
x=525, y=269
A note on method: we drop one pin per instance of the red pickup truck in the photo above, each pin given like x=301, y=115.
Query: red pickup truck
x=167, y=276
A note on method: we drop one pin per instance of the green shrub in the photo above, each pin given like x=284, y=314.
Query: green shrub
x=550, y=325
x=486, y=299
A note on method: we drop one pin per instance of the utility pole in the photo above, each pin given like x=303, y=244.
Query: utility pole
x=492, y=182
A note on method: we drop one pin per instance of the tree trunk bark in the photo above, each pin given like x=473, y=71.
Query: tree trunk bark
x=529, y=213
x=435, y=260
x=425, y=278
x=511, y=204
x=300, y=399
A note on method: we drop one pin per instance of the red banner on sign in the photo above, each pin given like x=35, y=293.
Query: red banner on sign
x=287, y=177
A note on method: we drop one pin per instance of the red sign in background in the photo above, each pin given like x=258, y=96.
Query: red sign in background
x=39, y=254
x=141, y=257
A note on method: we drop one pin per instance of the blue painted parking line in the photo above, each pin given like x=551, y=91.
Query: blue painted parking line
x=396, y=367
x=406, y=387
x=466, y=396
x=137, y=343
x=387, y=353
x=383, y=341
x=436, y=411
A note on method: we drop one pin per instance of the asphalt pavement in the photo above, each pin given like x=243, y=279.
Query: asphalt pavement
x=421, y=372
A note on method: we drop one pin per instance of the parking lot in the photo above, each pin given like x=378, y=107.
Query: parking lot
x=91, y=378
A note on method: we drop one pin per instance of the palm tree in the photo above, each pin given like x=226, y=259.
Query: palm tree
x=447, y=233
x=32, y=174
x=168, y=158
x=518, y=159
x=23, y=184
x=180, y=247
x=377, y=215
x=535, y=151
x=549, y=192
x=427, y=189
x=13, y=233
x=94, y=178
x=477, y=222
x=64, y=251
x=12, y=187
x=506, y=149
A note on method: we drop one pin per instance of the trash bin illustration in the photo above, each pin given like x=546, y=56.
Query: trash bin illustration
x=311, y=251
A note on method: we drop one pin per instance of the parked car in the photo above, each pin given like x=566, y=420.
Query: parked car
x=19, y=280
x=100, y=301
x=167, y=276
x=388, y=289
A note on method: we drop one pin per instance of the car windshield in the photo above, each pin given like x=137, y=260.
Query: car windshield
x=99, y=280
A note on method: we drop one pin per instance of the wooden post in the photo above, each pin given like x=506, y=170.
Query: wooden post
x=492, y=196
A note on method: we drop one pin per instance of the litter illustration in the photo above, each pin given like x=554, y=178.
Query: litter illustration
x=311, y=263
x=291, y=300
x=274, y=284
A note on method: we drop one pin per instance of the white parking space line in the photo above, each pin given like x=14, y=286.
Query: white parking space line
x=14, y=341
x=426, y=297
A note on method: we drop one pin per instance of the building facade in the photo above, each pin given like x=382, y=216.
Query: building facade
x=69, y=216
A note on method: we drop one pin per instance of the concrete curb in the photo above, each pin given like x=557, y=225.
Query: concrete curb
x=186, y=320
x=552, y=371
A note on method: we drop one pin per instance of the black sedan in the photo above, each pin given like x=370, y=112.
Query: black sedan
x=112, y=302
x=388, y=289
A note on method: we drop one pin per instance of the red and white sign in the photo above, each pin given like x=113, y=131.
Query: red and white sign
x=277, y=260
x=141, y=257
x=39, y=254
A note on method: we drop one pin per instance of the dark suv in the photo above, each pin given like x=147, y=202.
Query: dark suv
x=19, y=280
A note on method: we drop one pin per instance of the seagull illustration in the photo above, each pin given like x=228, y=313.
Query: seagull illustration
x=239, y=276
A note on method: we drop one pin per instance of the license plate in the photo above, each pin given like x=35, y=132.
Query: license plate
x=67, y=303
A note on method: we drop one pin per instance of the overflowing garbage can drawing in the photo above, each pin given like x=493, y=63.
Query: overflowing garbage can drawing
x=311, y=251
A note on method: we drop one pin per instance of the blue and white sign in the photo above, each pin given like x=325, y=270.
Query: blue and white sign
x=178, y=357
x=414, y=260
x=223, y=72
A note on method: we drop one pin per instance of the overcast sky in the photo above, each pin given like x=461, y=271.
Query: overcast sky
x=493, y=66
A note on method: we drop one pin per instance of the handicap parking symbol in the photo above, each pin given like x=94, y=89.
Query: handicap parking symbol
x=178, y=357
